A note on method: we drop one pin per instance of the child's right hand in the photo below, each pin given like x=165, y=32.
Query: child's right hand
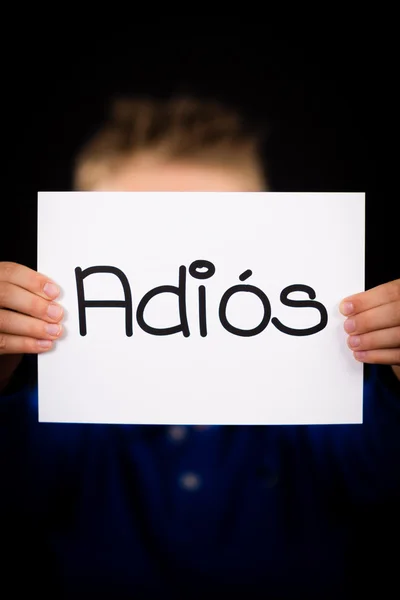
x=29, y=317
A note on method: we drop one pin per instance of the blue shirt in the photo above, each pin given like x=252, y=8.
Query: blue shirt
x=94, y=511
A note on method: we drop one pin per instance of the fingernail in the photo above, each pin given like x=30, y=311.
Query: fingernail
x=45, y=343
x=354, y=341
x=360, y=355
x=347, y=308
x=350, y=325
x=54, y=311
x=52, y=329
x=51, y=290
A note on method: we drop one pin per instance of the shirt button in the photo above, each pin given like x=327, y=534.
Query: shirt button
x=191, y=482
x=177, y=433
x=271, y=481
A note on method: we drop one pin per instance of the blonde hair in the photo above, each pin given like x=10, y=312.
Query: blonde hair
x=183, y=129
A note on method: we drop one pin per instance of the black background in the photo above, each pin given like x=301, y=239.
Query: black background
x=332, y=118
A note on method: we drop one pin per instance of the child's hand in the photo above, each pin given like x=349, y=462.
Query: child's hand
x=29, y=320
x=374, y=325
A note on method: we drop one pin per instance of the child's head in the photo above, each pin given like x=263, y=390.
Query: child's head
x=176, y=145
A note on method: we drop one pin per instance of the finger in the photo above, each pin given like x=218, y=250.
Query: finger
x=14, y=344
x=29, y=280
x=382, y=294
x=381, y=317
x=17, y=324
x=379, y=357
x=384, y=338
x=19, y=299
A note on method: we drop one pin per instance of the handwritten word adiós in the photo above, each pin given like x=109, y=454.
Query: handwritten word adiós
x=200, y=270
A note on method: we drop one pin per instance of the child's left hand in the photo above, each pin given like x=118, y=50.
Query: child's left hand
x=374, y=325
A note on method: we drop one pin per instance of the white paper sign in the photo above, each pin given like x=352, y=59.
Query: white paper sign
x=201, y=308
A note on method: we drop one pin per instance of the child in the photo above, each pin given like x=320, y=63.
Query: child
x=142, y=511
